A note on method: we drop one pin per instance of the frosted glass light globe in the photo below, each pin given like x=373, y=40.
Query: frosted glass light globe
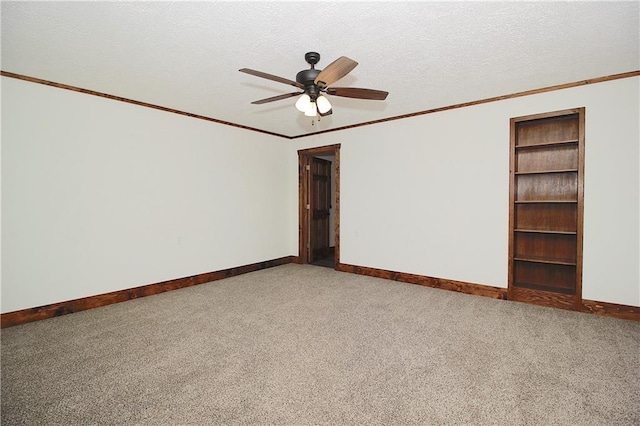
x=324, y=105
x=302, y=104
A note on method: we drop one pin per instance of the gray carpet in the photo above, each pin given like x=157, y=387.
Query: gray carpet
x=308, y=345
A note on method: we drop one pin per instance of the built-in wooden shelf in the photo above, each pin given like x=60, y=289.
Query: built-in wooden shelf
x=545, y=216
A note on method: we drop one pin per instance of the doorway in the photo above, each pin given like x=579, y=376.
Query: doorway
x=319, y=206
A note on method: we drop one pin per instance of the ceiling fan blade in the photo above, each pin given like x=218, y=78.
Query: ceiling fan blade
x=335, y=71
x=271, y=77
x=277, y=98
x=358, y=93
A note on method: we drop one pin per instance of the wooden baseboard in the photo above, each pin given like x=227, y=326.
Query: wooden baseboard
x=544, y=298
x=57, y=309
x=611, y=310
x=588, y=306
x=458, y=286
x=62, y=308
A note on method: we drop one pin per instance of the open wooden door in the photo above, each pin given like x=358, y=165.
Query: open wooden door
x=315, y=202
x=320, y=206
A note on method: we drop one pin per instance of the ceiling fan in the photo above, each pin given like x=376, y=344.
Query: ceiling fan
x=315, y=84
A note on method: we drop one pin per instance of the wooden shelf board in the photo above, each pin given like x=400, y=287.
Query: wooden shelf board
x=548, y=262
x=548, y=144
x=546, y=201
x=546, y=288
x=539, y=172
x=541, y=231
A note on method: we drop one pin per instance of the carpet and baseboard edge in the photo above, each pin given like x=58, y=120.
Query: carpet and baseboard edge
x=68, y=307
x=24, y=316
x=444, y=284
x=606, y=309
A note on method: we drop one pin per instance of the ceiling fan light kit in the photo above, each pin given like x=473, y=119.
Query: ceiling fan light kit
x=312, y=111
x=314, y=84
x=303, y=103
x=324, y=106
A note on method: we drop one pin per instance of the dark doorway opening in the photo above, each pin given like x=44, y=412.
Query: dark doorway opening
x=328, y=261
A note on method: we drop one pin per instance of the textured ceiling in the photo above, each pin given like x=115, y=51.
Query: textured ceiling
x=186, y=55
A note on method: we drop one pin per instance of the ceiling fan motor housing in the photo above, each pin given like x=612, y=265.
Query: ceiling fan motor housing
x=307, y=78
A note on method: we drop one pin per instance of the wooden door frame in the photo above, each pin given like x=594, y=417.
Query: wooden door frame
x=304, y=221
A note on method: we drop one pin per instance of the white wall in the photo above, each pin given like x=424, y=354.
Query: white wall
x=430, y=194
x=99, y=195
